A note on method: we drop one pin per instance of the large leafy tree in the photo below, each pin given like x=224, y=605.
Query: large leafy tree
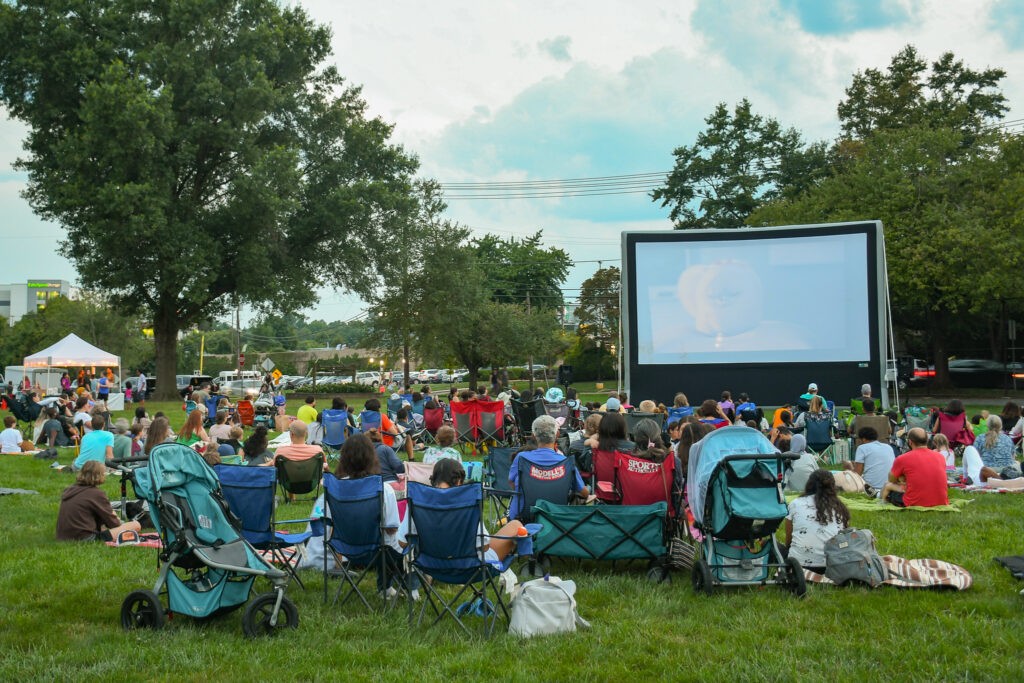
x=523, y=270
x=198, y=152
x=741, y=160
x=598, y=310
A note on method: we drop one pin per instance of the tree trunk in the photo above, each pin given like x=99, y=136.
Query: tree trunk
x=165, y=333
x=941, y=355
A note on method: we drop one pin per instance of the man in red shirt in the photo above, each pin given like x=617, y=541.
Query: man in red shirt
x=918, y=477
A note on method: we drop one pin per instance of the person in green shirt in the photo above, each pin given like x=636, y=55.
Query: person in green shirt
x=122, y=442
x=307, y=413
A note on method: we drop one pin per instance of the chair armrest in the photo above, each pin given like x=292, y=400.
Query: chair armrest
x=296, y=521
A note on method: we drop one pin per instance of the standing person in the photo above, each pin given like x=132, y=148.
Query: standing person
x=103, y=391
x=813, y=519
x=140, y=388
x=65, y=383
x=85, y=512
x=918, y=477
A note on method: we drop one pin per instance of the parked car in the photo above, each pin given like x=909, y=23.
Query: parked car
x=428, y=376
x=370, y=379
x=454, y=376
x=979, y=373
x=183, y=382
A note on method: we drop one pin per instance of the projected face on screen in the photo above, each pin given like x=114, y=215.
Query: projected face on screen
x=752, y=301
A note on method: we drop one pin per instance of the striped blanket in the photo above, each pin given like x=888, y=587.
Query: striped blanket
x=905, y=573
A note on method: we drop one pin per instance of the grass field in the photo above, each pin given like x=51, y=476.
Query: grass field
x=59, y=616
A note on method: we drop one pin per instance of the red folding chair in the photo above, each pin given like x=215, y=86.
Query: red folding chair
x=643, y=482
x=604, y=476
x=490, y=422
x=246, y=412
x=463, y=414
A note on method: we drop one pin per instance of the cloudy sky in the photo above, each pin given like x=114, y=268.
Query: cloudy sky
x=531, y=91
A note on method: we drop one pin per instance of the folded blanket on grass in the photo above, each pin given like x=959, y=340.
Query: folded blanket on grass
x=923, y=573
x=11, y=492
x=859, y=501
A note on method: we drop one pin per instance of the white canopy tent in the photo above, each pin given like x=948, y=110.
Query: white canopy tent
x=73, y=351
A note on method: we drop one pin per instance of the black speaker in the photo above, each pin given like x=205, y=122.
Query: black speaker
x=565, y=375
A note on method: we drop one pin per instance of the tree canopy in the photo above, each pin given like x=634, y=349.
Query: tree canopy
x=197, y=152
x=598, y=310
x=740, y=161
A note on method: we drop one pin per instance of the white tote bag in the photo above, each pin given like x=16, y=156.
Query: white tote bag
x=545, y=606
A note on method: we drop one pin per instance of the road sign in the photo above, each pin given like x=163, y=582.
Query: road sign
x=268, y=365
x=241, y=360
x=276, y=374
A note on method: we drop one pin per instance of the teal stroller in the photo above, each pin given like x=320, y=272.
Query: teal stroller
x=734, y=488
x=206, y=567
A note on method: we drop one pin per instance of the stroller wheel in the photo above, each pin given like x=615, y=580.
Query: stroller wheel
x=142, y=609
x=659, y=574
x=795, y=577
x=256, y=620
x=702, y=582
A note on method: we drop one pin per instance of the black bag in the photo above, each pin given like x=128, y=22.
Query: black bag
x=138, y=510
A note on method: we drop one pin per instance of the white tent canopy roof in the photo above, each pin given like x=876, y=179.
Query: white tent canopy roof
x=72, y=351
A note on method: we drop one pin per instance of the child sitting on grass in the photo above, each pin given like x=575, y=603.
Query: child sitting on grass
x=85, y=513
x=10, y=438
x=941, y=445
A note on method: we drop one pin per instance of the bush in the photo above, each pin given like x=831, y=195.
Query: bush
x=589, y=362
x=348, y=388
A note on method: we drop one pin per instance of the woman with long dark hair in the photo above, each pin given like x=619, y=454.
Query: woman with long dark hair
x=254, y=450
x=814, y=518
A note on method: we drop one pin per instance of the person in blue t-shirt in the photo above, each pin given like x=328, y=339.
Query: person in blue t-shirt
x=545, y=431
x=96, y=445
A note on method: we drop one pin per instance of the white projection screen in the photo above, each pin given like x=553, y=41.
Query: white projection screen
x=760, y=310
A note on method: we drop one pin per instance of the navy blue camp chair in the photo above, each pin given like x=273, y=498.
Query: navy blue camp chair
x=445, y=538
x=499, y=490
x=335, y=423
x=354, y=530
x=554, y=483
x=249, y=492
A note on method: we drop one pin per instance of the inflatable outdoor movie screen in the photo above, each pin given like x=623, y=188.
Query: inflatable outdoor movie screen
x=759, y=310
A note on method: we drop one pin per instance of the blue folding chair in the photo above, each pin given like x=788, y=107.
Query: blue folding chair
x=249, y=492
x=369, y=419
x=553, y=483
x=446, y=537
x=354, y=530
x=335, y=423
x=499, y=490
x=394, y=405
x=680, y=413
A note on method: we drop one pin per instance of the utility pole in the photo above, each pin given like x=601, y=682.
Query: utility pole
x=529, y=311
x=238, y=335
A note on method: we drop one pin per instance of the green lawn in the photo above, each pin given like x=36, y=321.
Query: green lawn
x=60, y=605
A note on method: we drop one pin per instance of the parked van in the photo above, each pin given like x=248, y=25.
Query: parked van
x=47, y=378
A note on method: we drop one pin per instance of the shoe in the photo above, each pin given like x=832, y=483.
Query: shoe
x=56, y=466
x=871, y=490
x=389, y=594
x=415, y=594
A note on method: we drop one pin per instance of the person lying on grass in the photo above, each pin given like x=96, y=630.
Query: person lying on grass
x=85, y=513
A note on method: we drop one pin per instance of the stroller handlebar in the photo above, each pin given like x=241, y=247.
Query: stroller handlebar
x=121, y=463
x=762, y=456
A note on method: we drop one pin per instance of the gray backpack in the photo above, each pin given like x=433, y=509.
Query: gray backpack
x=851, y=555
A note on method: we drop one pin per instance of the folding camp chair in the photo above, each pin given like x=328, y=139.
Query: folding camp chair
x=370, y=419
x=249, y=492
x=643, y=482
x=211, y=409
x=394, y=405
x=633, y=419
x=355, y=531
x=499, y=489
x=603, y=481
x=335, y=423
x=543, y=482
x=557, y=410
x=462, y=420
x=525, y=413
x=298, y=477
x=246, y=412
x=446, y=537
x=490, y=422
x=818, y=433
x=680, y=413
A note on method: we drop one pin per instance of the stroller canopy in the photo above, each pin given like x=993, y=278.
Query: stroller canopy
x=709, y=451
x=174, y=466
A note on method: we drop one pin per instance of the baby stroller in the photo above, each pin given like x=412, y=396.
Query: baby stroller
x=264, y=410
x=734, y=487
x=206, y=567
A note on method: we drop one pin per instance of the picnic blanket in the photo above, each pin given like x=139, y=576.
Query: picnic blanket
x=923, y=573
x=144, y=541
x=864, y=503
x=12, y=492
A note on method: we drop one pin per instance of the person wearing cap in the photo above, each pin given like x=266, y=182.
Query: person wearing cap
x=857, y=404
x=804, y=402
x=612, y=405
x=554, y=395
x=122, y=441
